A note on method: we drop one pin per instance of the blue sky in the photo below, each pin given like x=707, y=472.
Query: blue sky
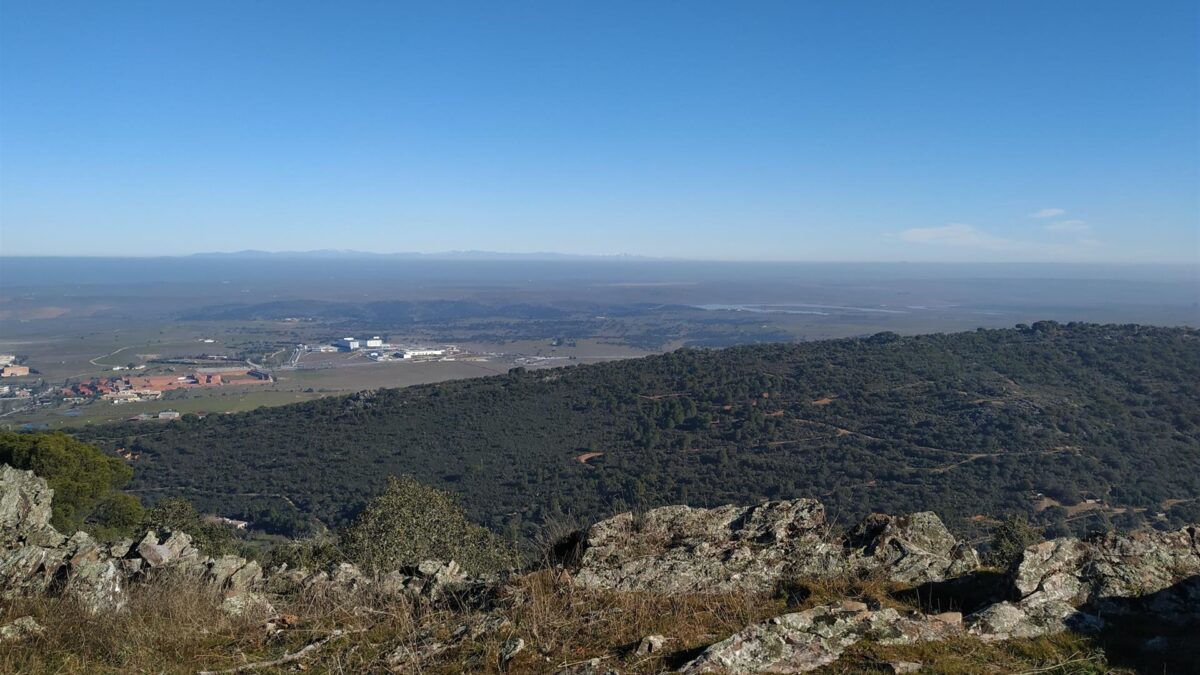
x=958, y=131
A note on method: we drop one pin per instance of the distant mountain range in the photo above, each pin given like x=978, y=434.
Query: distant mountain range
x=444, y=255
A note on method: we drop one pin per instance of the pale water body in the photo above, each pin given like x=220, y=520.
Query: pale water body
x=791, y=309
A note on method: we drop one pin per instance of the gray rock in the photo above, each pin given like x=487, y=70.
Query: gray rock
x=93, y=576
x=651, y=644
x=154, y=553
x=247, y=604
x=509, y=651
x=681, y=549
x=804, y=641
x=1008, y=620
x=913, y=549
x=20, y=629
x=25, y=510
x=730, y=548
x=1069, y=583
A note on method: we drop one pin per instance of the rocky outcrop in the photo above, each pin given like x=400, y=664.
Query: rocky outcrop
x=1072, y=583
x=1066, y=583
x=804, y=641
x=431, y=580
x=25, y=513
x=912, y=549
x=36, y=559
x=682, y=549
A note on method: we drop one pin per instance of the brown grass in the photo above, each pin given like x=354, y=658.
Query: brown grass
x=174, y=628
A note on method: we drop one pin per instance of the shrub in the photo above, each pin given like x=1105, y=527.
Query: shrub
x=1012, y=536
x=410, y=522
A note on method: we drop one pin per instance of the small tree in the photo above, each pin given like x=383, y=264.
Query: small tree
x=411, y=522
x=86, y=482
x=1012, y=536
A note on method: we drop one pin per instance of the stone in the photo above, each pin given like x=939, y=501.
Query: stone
x=804, y=641
x=20, y=629
x=154, y=553
x=651, y=644
x=247, y=604
x=246, y=577
x=510, y=650
x=900, y=667
x=677, y=549
x=25, y=501
x=1068, y=583
x=681, y=549
x=912, y=549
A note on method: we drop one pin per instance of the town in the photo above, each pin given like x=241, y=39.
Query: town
x=129, y=389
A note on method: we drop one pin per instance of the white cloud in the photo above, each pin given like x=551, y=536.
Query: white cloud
x=1048, y=213
x=1068, y=226
x=958, y=234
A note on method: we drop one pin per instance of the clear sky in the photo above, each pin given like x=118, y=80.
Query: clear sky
x=960, y=130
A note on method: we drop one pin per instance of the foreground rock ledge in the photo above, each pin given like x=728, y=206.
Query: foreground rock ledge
x=1061, y=584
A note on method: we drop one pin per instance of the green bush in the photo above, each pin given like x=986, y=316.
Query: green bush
x=86, y=482
x=1012, y=536
x=411, y=522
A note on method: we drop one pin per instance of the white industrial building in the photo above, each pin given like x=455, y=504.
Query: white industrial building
x=420, y=353
x=351, y=344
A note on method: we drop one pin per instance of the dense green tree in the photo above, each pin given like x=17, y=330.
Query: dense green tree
x=86, y=482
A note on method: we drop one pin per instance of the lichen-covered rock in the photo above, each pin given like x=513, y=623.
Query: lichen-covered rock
x=93, y=576
x=1135, y=564
x=20, y=629
x=683, y=549
x=1070, y=583
x=915, y=549
x=1008, y=620
x=247, y=604
x=804, y=641
x=25, y=509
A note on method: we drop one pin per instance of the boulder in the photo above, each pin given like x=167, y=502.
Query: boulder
x=25, y=509
x=682, y=549
x=92, y=575
x=912, y=549
x=730, y=548
x=804, y=641
x=1070, y=583
x=651, y=644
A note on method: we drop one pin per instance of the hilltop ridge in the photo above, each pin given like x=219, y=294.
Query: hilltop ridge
x=1080, y=427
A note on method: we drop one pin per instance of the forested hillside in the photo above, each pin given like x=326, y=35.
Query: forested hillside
x=970, y=425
